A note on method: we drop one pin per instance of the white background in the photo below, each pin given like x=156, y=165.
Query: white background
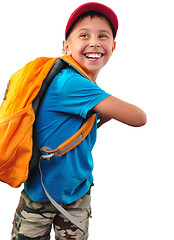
x=133, y=197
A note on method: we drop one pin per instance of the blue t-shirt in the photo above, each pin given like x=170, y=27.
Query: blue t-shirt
x=66, y=104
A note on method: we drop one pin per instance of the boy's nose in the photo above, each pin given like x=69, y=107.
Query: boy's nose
x=94, y=44
x=94, y=41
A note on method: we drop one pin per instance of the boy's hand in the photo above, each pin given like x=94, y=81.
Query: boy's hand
x=102, y=119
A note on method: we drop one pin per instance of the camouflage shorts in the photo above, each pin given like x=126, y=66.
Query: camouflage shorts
x=34, y=220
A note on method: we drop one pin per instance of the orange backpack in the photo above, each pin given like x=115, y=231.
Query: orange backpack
x=18, y=153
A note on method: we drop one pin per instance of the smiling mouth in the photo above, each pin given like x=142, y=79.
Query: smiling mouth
x=93, y=55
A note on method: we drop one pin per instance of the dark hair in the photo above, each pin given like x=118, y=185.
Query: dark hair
x=92, y=14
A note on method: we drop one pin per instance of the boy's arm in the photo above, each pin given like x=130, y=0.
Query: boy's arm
x=102, y=119
x=112, y=107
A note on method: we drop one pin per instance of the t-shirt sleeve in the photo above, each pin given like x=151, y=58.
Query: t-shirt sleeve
x=78, y=95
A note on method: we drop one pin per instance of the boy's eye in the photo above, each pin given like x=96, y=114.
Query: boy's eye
x=83, y=36
x=102, y=36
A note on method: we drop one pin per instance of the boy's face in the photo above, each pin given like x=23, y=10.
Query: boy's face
x=91, y=44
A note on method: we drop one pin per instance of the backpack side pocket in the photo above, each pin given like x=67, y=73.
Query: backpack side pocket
x=16, y=146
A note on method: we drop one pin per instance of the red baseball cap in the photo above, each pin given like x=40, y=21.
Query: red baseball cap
x=97, y=7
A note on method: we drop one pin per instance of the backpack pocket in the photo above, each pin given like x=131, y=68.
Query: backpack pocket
x=16, y=146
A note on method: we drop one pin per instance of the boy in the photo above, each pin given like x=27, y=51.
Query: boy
x=90, y=40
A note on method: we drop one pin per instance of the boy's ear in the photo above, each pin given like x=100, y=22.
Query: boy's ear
x=66, y=47
x=114, y=46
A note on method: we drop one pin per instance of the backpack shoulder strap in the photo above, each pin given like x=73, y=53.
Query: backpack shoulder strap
x=70, y=61
x=71, y=142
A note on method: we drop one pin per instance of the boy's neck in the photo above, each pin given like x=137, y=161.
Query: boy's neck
x=93, y=76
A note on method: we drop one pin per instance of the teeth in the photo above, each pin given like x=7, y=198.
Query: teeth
x=93, y=55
